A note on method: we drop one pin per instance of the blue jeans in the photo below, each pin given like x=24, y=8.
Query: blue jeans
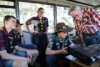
x=9, y=63
x=28, y=46
x=92, y=38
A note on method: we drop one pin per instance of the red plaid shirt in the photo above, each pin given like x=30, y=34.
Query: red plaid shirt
x=90, y=22
x=2, y=40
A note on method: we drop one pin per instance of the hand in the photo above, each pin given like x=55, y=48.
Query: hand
x=21, y=32
x=36, y=31
x=29, y=55
x=32, y=31
x=28, y=60
x=63, y=51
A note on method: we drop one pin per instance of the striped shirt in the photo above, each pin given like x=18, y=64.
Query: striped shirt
x=90, y=22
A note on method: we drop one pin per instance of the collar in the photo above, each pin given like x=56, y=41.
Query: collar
x=39, y=18
x=57, y=38
x=6, y=32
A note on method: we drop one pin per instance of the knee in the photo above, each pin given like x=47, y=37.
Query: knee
x=35, y=52
x=23, y=63
x=20, y=64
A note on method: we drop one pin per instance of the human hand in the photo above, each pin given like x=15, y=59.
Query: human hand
x=29, y=55
x=63, y=51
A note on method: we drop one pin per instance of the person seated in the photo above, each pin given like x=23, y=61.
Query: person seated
x=57, y=47
x=10, y=56
x=31, y=49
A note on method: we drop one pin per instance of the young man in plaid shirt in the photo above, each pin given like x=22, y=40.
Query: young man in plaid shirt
x=87, y=23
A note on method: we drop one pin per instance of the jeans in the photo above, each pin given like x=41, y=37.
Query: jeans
x=53, y=59
x=28, y=46
x=9, y=63
x=92, y=38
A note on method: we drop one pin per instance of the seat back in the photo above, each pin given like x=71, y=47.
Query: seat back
x=27, y=37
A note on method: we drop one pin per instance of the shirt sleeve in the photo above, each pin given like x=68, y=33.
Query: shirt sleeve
x=92, y=12
x=1, y=42
x=28, y=22
x=96, y=16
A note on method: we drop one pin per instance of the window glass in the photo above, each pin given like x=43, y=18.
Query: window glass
x=7, y=3
x=28, y=10
x=98, y=10
x=4, y=12
x=62, y=16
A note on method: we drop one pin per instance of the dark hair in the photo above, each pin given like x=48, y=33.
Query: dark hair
x=18, y=22
x=40, y=9
x=7, y=17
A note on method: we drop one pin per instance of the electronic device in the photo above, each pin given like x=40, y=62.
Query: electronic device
x=87, y=55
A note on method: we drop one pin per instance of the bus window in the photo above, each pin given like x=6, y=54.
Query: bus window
x=5, y=11
x=8, y=3
x=28, y=10
x=62, y=16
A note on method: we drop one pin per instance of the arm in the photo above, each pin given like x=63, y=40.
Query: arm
x=94, y=15
x=50, y=52
x=21, y=49
x=28, y=22
x=81, y=38
x=79, y=30
x=29, y=54
x=28, y=29
x=6, y=55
